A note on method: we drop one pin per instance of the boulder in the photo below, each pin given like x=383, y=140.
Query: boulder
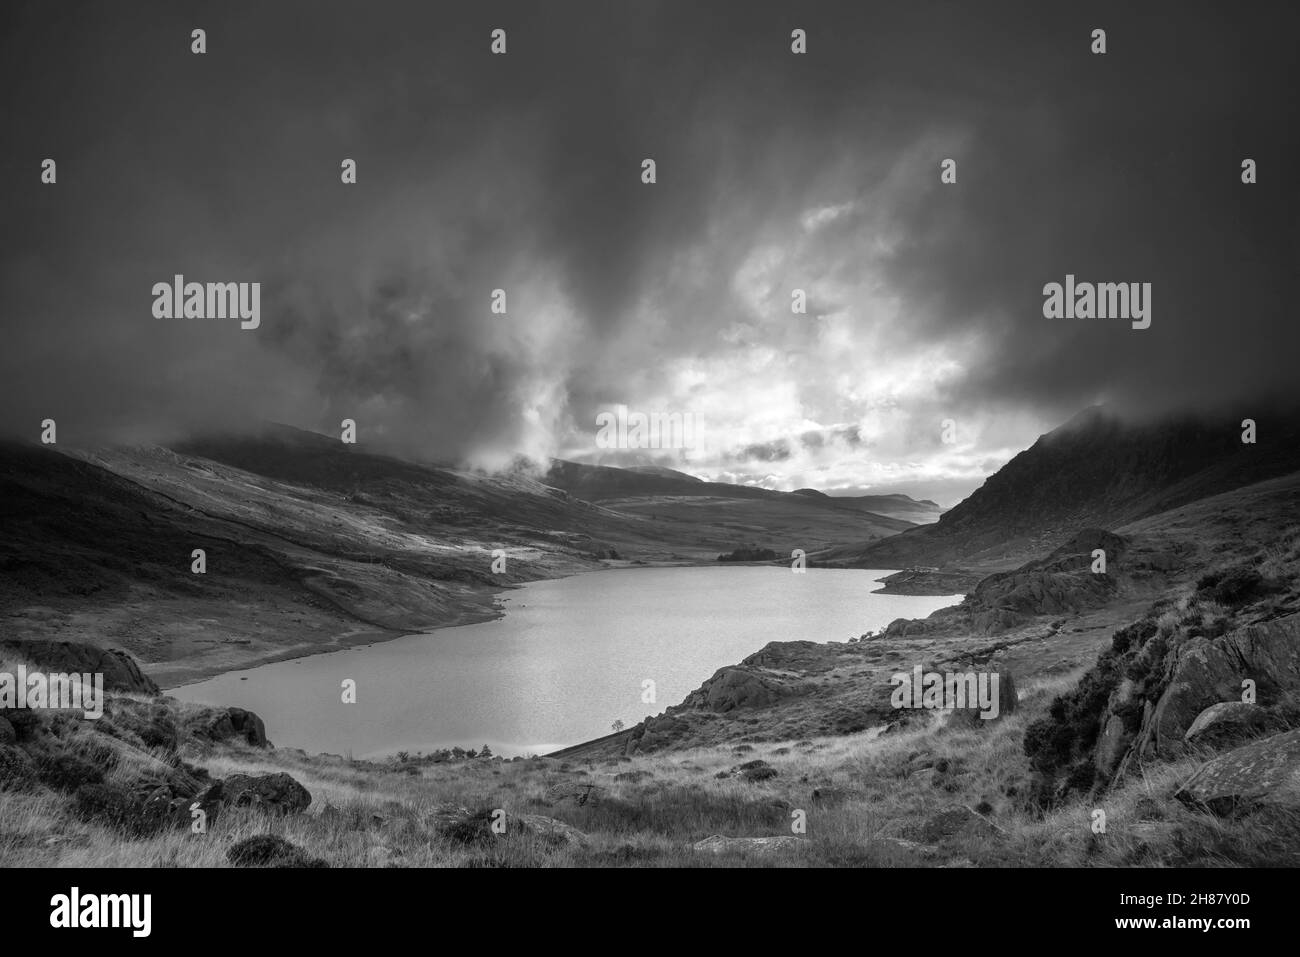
x=1262, y=773
x=733, y=688
x=579, y=793
x=1230, y=723
x=226, y=724
x=121, y=672
x=1208, y=671
x=718, y=844
x=278, y=793
x=546, y=829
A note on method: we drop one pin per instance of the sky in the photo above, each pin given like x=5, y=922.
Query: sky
x=924, y=360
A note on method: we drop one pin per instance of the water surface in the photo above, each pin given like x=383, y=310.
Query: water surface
x=570, y=656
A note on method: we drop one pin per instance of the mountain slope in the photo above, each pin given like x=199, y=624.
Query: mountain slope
x=601, y=483
x=1094, y=471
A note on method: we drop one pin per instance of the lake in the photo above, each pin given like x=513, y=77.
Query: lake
x=568, y=658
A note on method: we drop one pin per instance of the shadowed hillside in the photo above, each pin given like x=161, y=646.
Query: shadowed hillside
x=311, y=545
x=1094, y=471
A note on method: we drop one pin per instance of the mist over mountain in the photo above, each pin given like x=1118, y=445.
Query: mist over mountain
x=1097, y=469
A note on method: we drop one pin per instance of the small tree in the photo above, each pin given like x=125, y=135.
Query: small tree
x=485, y=752
x=617, y=725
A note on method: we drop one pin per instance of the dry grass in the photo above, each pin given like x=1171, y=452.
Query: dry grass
x=366, y=814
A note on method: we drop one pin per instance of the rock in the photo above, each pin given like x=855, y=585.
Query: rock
x=17, y=773
x=1231, y=722
x=546, y=829
x=581, y=793
x=121, y=672
x=444, y=814
x=1112, y=743
x=951, y=822
x=732, y=688
x=632, y=777
x=1262, y=773
x=7, y=733
x=269, y=850
x=1208, y=671
x=279, y=793
x=717, y=844
x=225, y=724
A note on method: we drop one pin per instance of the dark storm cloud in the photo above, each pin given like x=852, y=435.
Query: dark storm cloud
x=477, y=172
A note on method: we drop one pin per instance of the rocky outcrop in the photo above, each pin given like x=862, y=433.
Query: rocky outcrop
x=1231, y=722
x=278, y=793
x=1207, y=671
x=733, y=688
x=1262, y=773
x=121, y=672
x=226, y=724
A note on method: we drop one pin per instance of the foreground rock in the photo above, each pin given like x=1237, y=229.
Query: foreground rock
x=717, y=844
x=488, y=825
x=1208, y=671
x=278, y=793
x=1231, y=722
x=121, y=672
x=1263, y=773
x=546, y=829
x=227, y=724
x=579, y=793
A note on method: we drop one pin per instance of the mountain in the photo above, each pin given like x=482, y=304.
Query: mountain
x=602, y=483
x=311, y=545
x=1097, y=470
x=922, y=511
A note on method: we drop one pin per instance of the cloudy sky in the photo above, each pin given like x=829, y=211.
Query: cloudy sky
x=775, y=171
